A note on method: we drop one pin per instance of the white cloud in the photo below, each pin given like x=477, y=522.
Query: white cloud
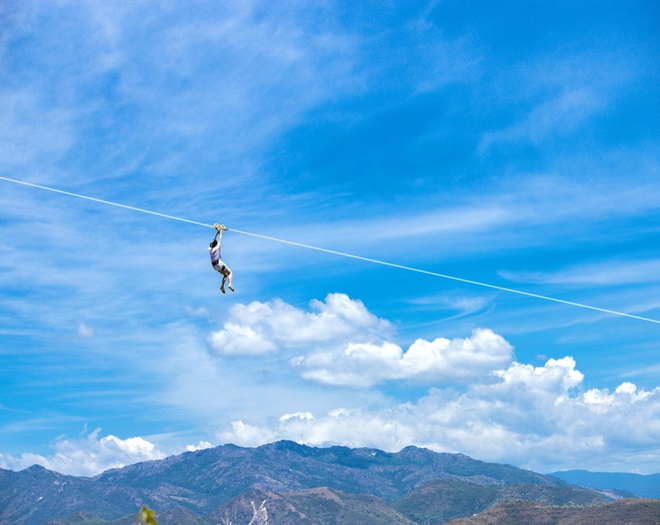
x=343, y=344
x=557, y=376
x=533, y=417
x=258, y=328
x=303, y=416
x=441, y=360
x=247, y=435
x=88, y=456
x=235, y=339
x=202, y=445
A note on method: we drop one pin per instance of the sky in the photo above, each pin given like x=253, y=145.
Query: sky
x=514, y=144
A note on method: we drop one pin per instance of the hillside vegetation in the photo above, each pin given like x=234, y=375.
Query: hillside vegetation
x=622, y=512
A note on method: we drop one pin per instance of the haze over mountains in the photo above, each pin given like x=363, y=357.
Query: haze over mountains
x=645, y=486
x=300, y=484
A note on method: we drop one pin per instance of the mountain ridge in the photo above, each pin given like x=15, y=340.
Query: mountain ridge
x=200, y=482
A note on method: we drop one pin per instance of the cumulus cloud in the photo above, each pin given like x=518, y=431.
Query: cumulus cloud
x=247, y=435
x=536, y=417
x=339, y=342
x=366, y=364
x=557, y=376
x=88, y=456
x=202, y=445
x=235, y=339
x=303, y=416
x=258, y=328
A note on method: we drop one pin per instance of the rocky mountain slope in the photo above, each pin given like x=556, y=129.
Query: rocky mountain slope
x=317, y=506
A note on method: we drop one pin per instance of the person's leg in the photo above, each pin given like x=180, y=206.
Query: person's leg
x=229, y=275
x=222, y=270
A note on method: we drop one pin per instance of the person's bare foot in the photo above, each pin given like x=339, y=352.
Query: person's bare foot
x=222, y=288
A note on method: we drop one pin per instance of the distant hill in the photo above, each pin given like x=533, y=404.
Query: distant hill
x=325, y=485
x=36, y=494
x=622, y=512
x=644, y=486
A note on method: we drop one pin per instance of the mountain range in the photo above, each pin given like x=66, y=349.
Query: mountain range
x=296, y=484
x=645, y=486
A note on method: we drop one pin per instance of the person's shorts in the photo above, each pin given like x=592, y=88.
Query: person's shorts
x=220, y=266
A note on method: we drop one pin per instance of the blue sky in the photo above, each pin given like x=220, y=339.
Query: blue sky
x=513, y=144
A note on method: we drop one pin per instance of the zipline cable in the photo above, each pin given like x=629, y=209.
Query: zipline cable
x=104, y=202
x=341, y=254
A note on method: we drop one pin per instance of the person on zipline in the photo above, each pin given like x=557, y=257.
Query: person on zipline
x=216, y=260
